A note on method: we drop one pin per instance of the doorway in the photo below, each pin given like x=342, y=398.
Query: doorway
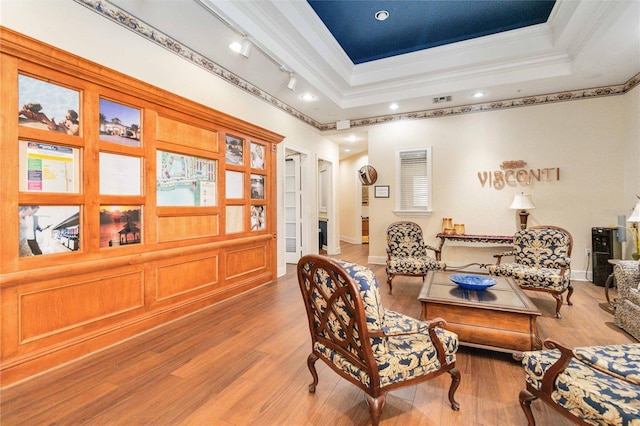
x=292, y=207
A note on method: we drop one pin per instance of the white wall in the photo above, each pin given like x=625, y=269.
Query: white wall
x=594, y=142
x=350, y=208
x=76, y=29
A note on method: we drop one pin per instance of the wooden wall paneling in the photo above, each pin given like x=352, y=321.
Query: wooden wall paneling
x=243, y=260
x=90, y=172
x=186, y=275
x=72, y=304
x=58, y=307
x=183, y=227
x=169, y=130
x=8, y=164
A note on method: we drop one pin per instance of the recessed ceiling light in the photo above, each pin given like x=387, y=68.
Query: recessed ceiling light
x=352, y=138
x=478, y=94
x=235, y=46
x=381, y=15
x=394, y=106
x=347, y=150
x=308, y=97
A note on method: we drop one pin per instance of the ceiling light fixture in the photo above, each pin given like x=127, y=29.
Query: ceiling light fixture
x=381, y=15
x=478, y=94
x=293, y=82
x=308, y=97
x=394, y=106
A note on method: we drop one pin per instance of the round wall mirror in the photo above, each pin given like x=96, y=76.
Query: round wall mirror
x=368, y=175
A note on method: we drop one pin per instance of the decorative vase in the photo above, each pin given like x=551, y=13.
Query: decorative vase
x=459, y=228
x=447, y=223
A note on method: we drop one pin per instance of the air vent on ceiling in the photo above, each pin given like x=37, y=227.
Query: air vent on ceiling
x=441, y=99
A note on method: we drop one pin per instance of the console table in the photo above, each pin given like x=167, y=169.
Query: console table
x=473, y=240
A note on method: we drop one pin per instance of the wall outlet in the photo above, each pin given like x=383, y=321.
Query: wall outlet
x=587, y=252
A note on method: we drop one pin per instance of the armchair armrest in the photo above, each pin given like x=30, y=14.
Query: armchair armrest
x=501, y=255
x=549, y=378
x=416, y=327
x=436, y=251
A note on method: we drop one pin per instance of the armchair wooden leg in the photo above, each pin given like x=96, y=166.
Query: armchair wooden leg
x=389, y=279
x=455, y=382
x=569, y=293
x=526, y=398
x=558, y=298
x=375, y=407
x=311, y=363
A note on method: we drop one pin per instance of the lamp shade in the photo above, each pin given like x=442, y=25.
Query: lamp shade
x=522, y=201
x=635, y=215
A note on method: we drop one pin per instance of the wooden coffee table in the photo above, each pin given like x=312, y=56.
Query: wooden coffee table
x=501, y=318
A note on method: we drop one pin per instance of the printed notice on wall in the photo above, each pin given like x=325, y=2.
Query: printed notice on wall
x=50, y=168
x=119, y=174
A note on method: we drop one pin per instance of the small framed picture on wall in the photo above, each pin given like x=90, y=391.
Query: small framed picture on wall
x=381, y=191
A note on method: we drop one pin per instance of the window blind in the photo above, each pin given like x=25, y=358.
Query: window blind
x=414, y=181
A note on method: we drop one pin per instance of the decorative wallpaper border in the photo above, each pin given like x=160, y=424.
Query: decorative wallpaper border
x=141, y=28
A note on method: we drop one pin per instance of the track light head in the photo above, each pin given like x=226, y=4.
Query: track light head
x=245, y=49
x=293, y=81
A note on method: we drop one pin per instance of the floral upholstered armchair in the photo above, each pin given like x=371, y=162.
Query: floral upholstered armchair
x=407, y=252
x=542, y=262
x=627, y=315
x=372, y=347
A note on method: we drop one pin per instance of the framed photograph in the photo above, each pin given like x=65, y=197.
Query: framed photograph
x=48, y=229
x=119, y=124
x=183, y=180
x=257, y=187
x=258, y=218
x=233, y=151
x=120, y=225
x=257, y=156
x=48, y=106
x=381, y=191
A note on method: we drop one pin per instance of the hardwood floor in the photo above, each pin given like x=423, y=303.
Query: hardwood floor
x=243, y=362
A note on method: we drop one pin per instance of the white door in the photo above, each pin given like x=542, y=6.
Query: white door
x=292, y=210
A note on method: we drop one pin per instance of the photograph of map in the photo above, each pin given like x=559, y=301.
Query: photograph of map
x=183, y=180
x=48, y=168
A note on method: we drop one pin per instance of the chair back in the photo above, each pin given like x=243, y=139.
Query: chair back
x=543, y=247
x=333, y=294
x=405, y=239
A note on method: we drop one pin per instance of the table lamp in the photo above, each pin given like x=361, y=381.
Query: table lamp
x=523, y=203
x=635, y=219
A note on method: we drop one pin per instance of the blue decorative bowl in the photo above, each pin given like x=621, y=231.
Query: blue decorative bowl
x=473, y=282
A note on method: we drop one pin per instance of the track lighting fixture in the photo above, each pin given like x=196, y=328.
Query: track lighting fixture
x=245, y=49
x=292, y=82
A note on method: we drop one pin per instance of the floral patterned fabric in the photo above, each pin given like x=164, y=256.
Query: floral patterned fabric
x=539, y=256
x=405, y=352
x=622, y=361
x=627, y=315
x=598, y=396
x=407, y=251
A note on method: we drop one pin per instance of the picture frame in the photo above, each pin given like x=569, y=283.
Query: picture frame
x=381, y=191
x=120, y=225
x=119, y=123
x=47, y=106
x=234, y=151
x=52, y=229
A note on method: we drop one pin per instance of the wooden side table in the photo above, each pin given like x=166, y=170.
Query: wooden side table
x=611, y=281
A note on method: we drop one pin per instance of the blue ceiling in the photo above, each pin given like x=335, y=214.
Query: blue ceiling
x=415, y=25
